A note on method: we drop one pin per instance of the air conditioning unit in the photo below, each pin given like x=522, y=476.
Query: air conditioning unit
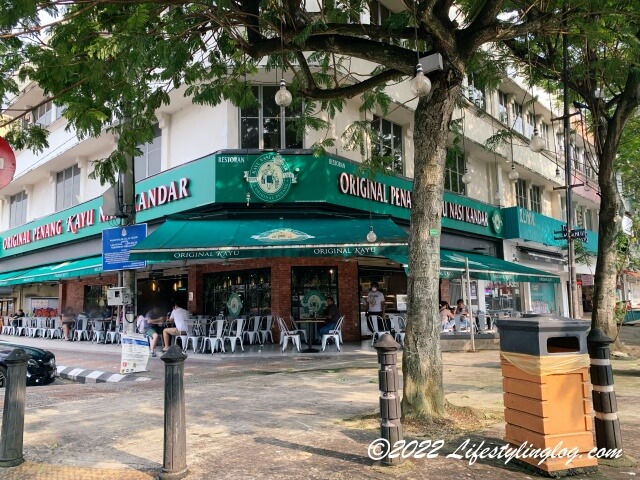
x=117, y=296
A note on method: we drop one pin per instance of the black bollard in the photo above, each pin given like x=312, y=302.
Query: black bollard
x=15, y=395
x=175, y=428
x=604, y=397
x=390, y=413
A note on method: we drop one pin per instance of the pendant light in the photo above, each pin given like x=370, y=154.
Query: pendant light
x=537, y=143
x=283, y=96
x=420, y=84
x=513, y=174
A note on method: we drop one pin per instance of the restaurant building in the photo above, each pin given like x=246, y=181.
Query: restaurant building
x=238, y=225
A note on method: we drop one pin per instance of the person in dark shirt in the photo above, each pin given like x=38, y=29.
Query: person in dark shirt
x=332, y=315
x=19, y=314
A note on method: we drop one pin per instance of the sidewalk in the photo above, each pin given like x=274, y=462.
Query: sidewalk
x=269, y=415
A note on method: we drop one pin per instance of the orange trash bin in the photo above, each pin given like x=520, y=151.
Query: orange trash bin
x=547, y=398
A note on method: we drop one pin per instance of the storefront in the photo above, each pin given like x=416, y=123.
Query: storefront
x=532, y=239
x=254, y=233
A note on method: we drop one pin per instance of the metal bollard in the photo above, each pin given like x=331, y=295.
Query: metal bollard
x=11, y=437
x=175, y=431
x=604, y=397
x=390, y=413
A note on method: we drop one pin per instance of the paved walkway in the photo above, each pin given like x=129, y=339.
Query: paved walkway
x=266, y=415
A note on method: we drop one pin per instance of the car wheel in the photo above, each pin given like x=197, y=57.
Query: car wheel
x=3, y=376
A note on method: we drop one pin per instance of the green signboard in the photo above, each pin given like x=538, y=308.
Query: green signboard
x=240, y=178
x=173, y=191
x=532, y=226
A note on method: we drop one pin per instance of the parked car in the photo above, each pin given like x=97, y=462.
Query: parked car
x=41, y=368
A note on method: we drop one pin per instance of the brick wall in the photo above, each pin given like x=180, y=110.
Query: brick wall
x=281, y=286
x=71, y=292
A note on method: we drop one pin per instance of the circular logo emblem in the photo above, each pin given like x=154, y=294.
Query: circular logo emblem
x=313, y=302
x=234, y=304
x=282, y=235
x=270, y=178
x=496, y=221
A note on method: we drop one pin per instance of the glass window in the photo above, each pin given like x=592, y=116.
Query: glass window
x=518, y=123
x=263, y=128
x=18, y=209
x=149, y=162
x=42, y=115
x=475, y=93
x=453, y=172
x=67, y=188
x=388, y=144
x=544, y=131
x=378, y=13
x=536, y=199
x=521, y=194
x=252, y=287
x=530, y=124
x=310, y=287
x=503, y=102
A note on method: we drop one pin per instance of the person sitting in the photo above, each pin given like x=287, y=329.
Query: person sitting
x=148, y=325
x=446, y=316
x=68, y=321
x=179, y=317
x=332, y=315
x=16, y=318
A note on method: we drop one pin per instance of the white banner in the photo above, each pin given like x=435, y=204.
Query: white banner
x=135, y=353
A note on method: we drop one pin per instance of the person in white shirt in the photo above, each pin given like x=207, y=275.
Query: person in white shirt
x=179, y=316
x=376, y=304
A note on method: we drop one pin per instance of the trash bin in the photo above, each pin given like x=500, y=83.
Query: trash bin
x=545, y=370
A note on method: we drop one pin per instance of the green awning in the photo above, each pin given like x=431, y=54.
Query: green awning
x=483, y=267
x=54, y=272
x=313, y=237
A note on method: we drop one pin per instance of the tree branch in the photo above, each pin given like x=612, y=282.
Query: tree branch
x=354, y=89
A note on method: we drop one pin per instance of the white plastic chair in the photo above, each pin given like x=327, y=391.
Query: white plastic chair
x=195, y=336
x=252, y=333
x=267, y=323
x=55, y=328
x=335, y=334
x=81, y=328
x=286, y=334
x=372, y=321
x=215, y=337
x=32, y=328
x=43, y=327
x=399, y=326
x=98, y=333
x=113, y=336
x=21, y=328
x=297, y=329
x=235, y=333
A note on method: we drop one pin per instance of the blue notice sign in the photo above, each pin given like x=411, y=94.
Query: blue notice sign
x=117, y=244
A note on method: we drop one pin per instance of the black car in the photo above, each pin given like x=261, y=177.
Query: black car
x=41, y=368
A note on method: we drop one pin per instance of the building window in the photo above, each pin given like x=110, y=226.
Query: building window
x=67, y=187
x=475, y=93
x=388, y=145
x=251, y=287
x=149, y=162
x=503, y=103
x=536, y=199
x=521, y=194
x=530, y=124
x=378, y=13
x=262, y=127
x=588, y=219
x=18, y=209
x=310, y=287
x=453, y=172
x=43, y=115
x=544, y=131
x=518, y=124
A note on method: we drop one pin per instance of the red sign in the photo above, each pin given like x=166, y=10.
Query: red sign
x=7, y=163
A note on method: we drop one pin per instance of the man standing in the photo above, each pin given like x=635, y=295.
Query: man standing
x=179, y=316
x=376, y=304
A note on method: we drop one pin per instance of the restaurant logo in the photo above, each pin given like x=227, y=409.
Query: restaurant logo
x=496, y=222
x=282, y=235
x=270, y=178
x=313, y=302
x=234, y=304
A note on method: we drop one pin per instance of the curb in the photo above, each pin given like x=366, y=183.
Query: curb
x=82, y=375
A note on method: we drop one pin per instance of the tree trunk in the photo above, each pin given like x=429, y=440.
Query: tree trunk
x=422, y=359
x=604, y=298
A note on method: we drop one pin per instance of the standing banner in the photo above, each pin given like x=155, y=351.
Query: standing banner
x=135, y=353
